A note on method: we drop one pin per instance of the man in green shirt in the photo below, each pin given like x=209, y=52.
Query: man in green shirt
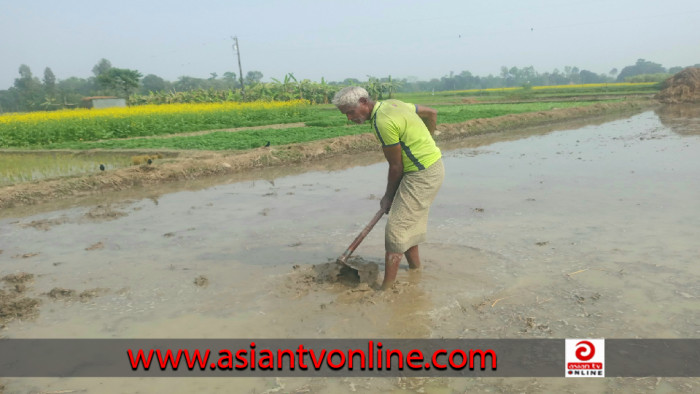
x=415, y=169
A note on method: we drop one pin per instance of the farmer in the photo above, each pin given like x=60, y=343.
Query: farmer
x=415, y=170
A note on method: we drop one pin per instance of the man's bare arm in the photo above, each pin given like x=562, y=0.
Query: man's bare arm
x=429, y=117
x=393, y=156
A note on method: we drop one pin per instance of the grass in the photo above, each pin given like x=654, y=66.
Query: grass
x=533, y=93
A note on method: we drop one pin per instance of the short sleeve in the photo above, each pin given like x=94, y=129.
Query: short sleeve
x=386, y=129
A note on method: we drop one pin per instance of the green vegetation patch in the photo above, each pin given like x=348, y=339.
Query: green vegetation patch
x=223, y=140
x=462, y=113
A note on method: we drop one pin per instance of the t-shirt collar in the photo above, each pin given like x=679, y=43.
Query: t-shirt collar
x=374, y=110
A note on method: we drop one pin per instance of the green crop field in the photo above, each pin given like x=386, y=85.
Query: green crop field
x=115, y=128
x=324, y=123
x=162, y=127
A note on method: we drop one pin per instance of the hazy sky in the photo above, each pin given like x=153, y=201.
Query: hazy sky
x=343, y=39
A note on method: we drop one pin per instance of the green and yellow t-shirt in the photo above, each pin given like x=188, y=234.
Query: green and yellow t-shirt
x=396, y=122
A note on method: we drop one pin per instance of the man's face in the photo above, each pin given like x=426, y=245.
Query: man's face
x=358, y=113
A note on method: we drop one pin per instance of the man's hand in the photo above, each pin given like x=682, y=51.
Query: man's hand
x=385, y=204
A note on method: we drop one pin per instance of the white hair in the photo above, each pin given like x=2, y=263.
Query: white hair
x=350, y=96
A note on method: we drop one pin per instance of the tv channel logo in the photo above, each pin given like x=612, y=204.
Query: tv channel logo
x=585, y=358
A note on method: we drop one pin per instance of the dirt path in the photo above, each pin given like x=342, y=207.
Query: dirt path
x=196, y=164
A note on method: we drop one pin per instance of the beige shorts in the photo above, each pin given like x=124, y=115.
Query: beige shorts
x=408, y=217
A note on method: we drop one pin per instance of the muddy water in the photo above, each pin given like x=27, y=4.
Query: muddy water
x=582, y=232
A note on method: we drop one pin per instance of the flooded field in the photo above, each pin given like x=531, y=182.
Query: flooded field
x=17, y=167
x=589, y=231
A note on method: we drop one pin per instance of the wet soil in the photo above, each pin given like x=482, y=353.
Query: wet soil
x=577, y=230
x=14, y=304
x=355, y=272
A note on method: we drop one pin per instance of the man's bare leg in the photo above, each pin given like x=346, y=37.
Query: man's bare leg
x=391, y=269
x=412, y=257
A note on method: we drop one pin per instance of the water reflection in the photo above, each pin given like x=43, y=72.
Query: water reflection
x=681, y=118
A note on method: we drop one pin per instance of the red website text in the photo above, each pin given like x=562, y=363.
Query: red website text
x=372, y=358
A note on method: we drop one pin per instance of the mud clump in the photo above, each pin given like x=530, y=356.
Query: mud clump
x=18, y=282
x=683, y=87
x=104, y=213
x=89, y=294
x=13, y=304
x=96, y=246
x=201, y=281
x=45, y=224
x=25, y=255
x=18, y=278
x=351, y=285
x=59, y=293
x=362, y=272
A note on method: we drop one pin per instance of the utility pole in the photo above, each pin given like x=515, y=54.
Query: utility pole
x=240, y=70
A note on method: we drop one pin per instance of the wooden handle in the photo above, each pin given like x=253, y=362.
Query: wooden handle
x=361, y=236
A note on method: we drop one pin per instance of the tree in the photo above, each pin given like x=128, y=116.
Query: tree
x=641, y=67
x=185, y=84
x=49, y=85
x=557, y=78
x=153, y=83
x=28, y=89
x=120, y=79
x=390, y=86
x=25, y=73
x=528, y=75
x=72, y=90
x=285, y=89
x=253, y=78
x=8, y=101
x=373, y=87
x=49, y=82
x=101, y=67
x=590, y=77
x=508, y=78
x=230, y=80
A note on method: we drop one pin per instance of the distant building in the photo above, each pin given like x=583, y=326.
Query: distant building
x=103, y=102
